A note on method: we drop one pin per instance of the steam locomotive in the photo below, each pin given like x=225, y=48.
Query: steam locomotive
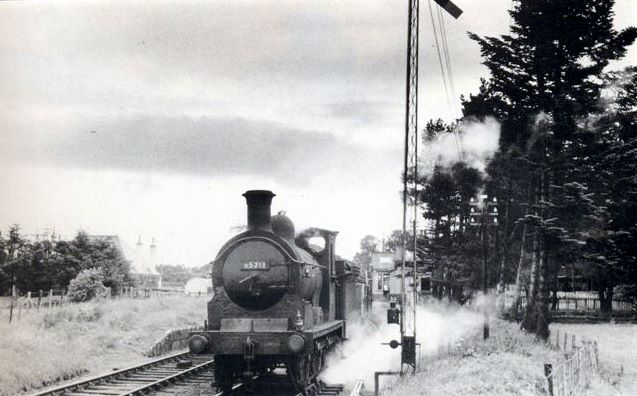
x=279, y=301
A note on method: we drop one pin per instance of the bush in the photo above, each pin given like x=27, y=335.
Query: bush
x=88, y=284
x=53, y=317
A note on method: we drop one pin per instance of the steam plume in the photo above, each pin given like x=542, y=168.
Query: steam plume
x=363, y=354
x=474, y=143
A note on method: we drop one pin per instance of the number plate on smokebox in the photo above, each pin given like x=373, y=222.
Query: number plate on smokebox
x=255, y=265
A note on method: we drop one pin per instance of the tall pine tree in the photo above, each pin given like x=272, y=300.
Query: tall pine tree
x=550, y=64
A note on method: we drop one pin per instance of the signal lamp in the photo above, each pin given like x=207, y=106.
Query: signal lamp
x=393, y=313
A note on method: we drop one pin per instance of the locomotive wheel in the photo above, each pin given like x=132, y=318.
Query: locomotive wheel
x=317, y=363
x=299, y=372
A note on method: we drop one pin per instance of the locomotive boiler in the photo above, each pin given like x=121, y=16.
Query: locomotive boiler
x=279, y=301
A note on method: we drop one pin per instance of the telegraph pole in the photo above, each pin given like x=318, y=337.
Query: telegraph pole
x=488, y=212
x=410, y=162
x=483, y=232
x=408, y=342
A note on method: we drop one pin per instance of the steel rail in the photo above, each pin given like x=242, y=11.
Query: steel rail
x=235, y=387
x=318, y=388
x=164, y=382
x=115, y=375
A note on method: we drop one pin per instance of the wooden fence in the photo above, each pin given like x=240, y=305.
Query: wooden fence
x=570, y=375
x=57, y=297
x=578, y=304
x=47, y=299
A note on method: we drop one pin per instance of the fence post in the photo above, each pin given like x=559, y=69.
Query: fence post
x=596, y=355
x=50, y=297
x=11, y=311
x=565, y=340
x=39, y=298
x=572, y=342
x=548, y=373
x=573, y=367
x=565, y=389
x=579, y=365
x=588, y=364
x=557, y=338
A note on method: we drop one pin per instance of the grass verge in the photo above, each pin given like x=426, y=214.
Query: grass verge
x=49, y=345
x=510, y=362
x=616, y=351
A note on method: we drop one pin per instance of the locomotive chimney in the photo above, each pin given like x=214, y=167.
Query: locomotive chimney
x=258, y=202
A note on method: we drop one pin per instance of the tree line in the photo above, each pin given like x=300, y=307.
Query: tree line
x=564, y=176
x=564, y=173
x=53, y=263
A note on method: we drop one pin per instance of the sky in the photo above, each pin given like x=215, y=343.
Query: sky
x=151, y=118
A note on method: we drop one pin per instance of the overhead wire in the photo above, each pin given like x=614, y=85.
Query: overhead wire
x=444, y=61
x=445, y=47
x=440, y=62
x=455, y=100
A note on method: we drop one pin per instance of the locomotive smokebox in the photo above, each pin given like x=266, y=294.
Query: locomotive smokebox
x=258, y=202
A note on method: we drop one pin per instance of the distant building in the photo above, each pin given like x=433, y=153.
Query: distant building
x=381, y=267
x=197, y=286
x=387, y=273
x=136, y=257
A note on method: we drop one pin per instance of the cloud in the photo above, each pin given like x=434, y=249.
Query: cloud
x=227, y=51
x=276, y=42
x=182, y=145
x=363, y=111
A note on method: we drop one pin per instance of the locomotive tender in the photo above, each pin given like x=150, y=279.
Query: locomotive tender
x=278, y=301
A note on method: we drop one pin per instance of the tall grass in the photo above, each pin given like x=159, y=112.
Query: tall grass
x=510, y=362
x=63, y=342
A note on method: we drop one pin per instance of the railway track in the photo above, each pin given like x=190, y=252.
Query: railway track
x=275, y=387
x=167, y=374
x=278, y=385
x=182, y=374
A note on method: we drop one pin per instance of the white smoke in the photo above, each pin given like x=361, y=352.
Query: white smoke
x=363, y=354
x=474, y=142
